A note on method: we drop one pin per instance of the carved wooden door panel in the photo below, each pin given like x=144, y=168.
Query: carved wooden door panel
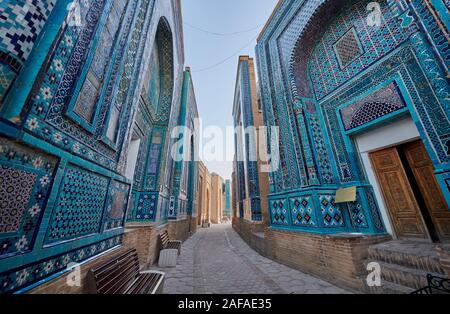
x=398, y=195
x=423, y=170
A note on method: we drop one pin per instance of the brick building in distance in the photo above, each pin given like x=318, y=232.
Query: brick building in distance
x=217, y=199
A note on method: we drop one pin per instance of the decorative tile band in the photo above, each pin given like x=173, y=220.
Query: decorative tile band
x=20, y=278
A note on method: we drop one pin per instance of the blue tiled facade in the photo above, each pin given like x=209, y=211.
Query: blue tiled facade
x=326, y=75
x=72, y=96
x=228, y=201
x=247, y=166
x=185, y=181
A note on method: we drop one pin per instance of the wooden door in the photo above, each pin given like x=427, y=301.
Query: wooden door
x=398, y=195
x=423, y=171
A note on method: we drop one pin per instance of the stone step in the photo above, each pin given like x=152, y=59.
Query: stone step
x=405, y=276
x=390, y=288
x=412, y=255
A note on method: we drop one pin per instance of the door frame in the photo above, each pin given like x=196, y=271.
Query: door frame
x=351, y=146
x=402, y=131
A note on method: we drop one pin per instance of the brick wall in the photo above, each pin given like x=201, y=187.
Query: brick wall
x=252, y=233
x=194, y=225
x=179, y=229
x=145, y=239
x=338, y=259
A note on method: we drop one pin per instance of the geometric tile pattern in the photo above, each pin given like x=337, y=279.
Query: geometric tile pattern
x=86, y=103
x=147, y=206
x=252, y=172
x=185, y=174
x=153, y=88
x=158, y=82
x=357, y=213
x=84, y=203
x=375, y=212
x=256, y=209
x=166, y=57
x=331, y=213
x=152, y=120
x=22, y=277
x=323, y=158
x=327, y=76
x=16, y=187
x=409, y=47
x=432, y=104
x=303, y=212
x=279, y=212
x=153, y=159
x=79, y=206
x=112, y=109
x=21, y=23
x=328, y=71
x=54, y=92
x=348, y=48
x=241, y=186
x=380, y=103
x=26, y=178
x=246, y=143
x=133, y=57
x=439, y=39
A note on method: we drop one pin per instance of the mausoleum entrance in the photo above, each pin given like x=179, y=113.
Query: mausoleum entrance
x=411, y=192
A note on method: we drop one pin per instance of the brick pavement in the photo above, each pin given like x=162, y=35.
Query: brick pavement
x=218, y=261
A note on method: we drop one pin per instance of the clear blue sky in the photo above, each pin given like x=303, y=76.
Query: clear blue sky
x=214, y=88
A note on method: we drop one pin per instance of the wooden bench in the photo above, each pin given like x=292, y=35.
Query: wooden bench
x=121, y=275
x=168, y=244
x=436, y=285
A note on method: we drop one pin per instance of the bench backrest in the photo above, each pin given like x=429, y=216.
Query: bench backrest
x=116, y=275
x=164, y=238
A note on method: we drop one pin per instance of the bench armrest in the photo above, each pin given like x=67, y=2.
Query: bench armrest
x=153, y=272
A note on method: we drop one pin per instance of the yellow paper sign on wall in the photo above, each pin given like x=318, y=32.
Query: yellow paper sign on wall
x=346, y=195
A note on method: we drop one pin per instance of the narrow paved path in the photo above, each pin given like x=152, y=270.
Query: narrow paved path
x=217, y=261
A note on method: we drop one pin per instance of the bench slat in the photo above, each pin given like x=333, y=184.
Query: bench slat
x=127, y=267
x=164, y=238
x=121, y=281
x=145, y=284
x=116, y=269
x=121, y=275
